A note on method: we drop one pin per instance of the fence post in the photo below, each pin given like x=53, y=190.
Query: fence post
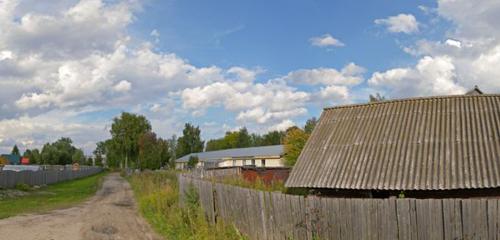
x=263, y=213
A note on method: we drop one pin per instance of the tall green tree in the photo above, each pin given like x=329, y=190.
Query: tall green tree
x=215, y=144
x=64, y=151
x=125, y=133
x=49, y=155
x=15, y=151
x=310, y=124
x=376, y=98
x=149, y=152
x=78, y=157
x=193, y=161
x=273, y=138
x=294, y=142
x=190, y=142
x=164, y=149
x=236, y=139
x=256, y=140
x=114, y=155
x=60, y=152
x=172, y=145
x=99, y=153
x=244, y=140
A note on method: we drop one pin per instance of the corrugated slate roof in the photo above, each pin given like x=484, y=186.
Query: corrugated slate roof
x=275, y=150
x=436, y=143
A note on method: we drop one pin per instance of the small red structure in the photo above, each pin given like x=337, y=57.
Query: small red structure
x=25, y=161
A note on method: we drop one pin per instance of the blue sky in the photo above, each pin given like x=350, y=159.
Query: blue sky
x=275, y=34
x=67, y=67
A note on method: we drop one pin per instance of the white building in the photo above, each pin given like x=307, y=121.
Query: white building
x=266, y=156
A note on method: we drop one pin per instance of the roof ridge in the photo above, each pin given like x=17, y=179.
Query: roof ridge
x=409, y=100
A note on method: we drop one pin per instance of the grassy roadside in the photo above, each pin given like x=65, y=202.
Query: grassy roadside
x=60, y=195
x=158, y=197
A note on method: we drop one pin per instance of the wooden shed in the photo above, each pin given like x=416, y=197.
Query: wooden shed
x=432, y=146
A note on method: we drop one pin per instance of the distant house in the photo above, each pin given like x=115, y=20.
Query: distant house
x=439, y=146
x=266, y=156
x=12, y=158
x=25, y=161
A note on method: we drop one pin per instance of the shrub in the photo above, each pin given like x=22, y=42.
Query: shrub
x=23, y=187
x=158, y=197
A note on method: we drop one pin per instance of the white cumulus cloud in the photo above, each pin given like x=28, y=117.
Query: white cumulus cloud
x=431, y=76
x=351, y=74
x=123, y=86
x=401, y=23
x=326, y=40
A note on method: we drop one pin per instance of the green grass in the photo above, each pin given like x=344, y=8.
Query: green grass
x=60, y=195
x=158, y=196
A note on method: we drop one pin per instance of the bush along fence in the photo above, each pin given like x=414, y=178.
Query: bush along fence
x=273, y=215
x=9, y=179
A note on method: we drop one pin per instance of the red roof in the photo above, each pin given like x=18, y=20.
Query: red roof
x=25, y=161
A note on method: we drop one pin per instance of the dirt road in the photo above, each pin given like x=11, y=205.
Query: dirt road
x=110, y=215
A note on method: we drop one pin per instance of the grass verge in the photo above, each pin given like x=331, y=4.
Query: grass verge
x=59, y=195
x=158, y=196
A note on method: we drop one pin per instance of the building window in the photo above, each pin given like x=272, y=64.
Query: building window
x=253, y=162
x=263, y=162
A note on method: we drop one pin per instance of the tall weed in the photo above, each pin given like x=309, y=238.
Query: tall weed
x=158, y=197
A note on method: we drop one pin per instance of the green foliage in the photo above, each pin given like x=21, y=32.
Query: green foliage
x=376, y=98
x=79, y=157
x=125, y=133
x=401, y=194
x=158, y=196
x=33, y=155
x=242, y=139
x=193, y=160
x=54, y=196
x=60, y=152
x=294, y=141
x=310, y=124
x=273, y=138
x=190, y=142
x=23, y=187
x=134, y=145
x=99, y=153
x=192, y=198
x=153, y=152
x=114, y=156
x=164, y=150
x=15, y=151
x=236, y=139
x=172, y=150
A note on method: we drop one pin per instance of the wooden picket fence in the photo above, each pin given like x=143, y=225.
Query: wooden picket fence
x=9, y=179
x=273, y=215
